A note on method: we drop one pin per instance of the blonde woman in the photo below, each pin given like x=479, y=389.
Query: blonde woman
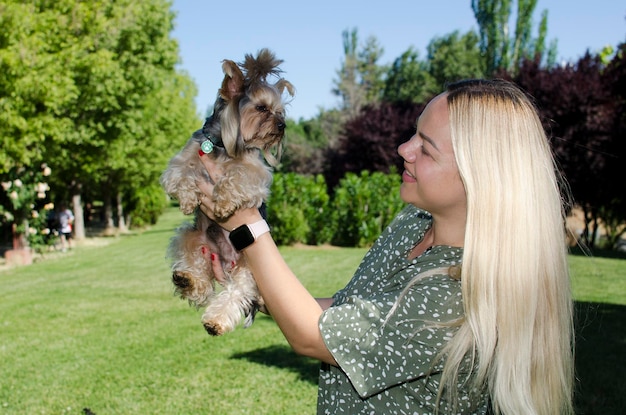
x=463, y=303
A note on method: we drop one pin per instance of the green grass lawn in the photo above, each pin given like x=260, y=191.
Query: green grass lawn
x=99, y=328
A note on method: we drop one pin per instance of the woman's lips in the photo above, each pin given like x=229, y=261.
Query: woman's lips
x=407, y=177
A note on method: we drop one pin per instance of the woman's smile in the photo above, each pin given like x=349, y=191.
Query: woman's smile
x=407, y=177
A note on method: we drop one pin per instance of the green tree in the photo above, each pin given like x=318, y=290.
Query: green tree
x=371, y=72
x=92, y=89
x=450, y=57
x=360, y=79
x=304, y=143
x=409, y=79
x=453, y=57
x=144, y=106
x=36, y=88
x=504, y=49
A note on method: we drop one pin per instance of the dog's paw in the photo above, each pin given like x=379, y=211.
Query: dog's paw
x=218, y=321
x=181, y=280
x=223, y=314
x=224, y=209
x=214, y=329
x=188, y=205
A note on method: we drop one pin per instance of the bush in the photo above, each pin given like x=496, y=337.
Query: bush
x=146, y=205
x=363, y=205
x=25, y=206
x=297, y=209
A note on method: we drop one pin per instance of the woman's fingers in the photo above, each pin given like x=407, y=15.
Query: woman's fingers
x=206, y=190
x=211, y=166
x=205, y=199
x=206, y=207
x=218, y=271
x=213, y=259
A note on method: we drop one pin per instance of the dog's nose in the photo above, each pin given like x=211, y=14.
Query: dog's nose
x=180, y=281
x=281, y=126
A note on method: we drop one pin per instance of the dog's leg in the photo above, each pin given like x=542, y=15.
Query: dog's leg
x=239, y=298
x=183, y=172
x=192, y=273
x=244, y=185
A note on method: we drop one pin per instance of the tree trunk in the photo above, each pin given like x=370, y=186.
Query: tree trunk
x=121, y=223
x=21, y=253
x=107, y=209
x=596, y=228
x=79, y=218
x=586, y=236
x=19, y=239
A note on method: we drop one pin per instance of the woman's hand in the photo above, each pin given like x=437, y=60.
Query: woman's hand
x=295, y=311
x=241, y=217
x=206, y=206
x=206, y=198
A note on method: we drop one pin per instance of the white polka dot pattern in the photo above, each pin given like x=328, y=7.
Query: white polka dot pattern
x=386, y=360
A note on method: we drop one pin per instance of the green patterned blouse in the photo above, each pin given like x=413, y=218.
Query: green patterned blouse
x=385, y=356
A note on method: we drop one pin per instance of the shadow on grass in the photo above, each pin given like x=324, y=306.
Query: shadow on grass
x=600, y=359
x=598, y=252
x=283, y=357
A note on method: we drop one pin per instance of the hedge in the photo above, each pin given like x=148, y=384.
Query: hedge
x=301, y=210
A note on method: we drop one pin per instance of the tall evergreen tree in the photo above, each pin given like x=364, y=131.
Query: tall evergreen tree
x=504, y=49
x=359, y=80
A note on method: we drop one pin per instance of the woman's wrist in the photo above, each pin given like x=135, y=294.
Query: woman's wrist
x=245, y=216
x=245, y=235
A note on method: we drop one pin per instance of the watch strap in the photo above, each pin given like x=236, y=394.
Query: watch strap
x=258, y=228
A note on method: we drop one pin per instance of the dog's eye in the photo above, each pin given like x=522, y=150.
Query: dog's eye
x=261, y=108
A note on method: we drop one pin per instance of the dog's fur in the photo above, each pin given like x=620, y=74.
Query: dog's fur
x=249, y=120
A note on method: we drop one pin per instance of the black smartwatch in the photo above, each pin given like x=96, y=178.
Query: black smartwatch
x=245, y=235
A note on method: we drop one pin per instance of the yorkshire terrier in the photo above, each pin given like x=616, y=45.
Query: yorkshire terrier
x=247, y=125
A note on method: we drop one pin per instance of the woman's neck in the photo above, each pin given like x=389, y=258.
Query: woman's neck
x=439, y=235
x=426, y=242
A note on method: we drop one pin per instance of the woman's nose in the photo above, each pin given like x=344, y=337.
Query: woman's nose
x=406, y=150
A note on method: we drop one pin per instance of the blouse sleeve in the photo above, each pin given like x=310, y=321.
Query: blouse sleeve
x=375, y=354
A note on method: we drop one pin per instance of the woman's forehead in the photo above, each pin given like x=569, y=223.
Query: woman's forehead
x=434, y=120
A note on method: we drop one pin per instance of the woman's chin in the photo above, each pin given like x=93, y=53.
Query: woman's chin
x=406, y=193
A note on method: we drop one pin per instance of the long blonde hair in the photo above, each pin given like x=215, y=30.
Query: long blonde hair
x=515, y=280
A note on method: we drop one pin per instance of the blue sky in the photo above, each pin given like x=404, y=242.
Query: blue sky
x=307, y=36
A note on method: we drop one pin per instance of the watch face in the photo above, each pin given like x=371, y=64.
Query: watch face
x=241, y=237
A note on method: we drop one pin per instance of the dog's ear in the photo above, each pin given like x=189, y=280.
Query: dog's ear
x=283, y=84
x=233, y=83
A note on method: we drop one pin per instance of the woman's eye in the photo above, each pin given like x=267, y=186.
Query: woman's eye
x=261, y=108
x=424, y=152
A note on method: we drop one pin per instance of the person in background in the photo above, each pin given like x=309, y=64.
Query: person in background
x=463, y=304
x=65, y=220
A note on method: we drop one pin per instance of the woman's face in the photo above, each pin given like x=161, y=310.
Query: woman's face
x=431, y=179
